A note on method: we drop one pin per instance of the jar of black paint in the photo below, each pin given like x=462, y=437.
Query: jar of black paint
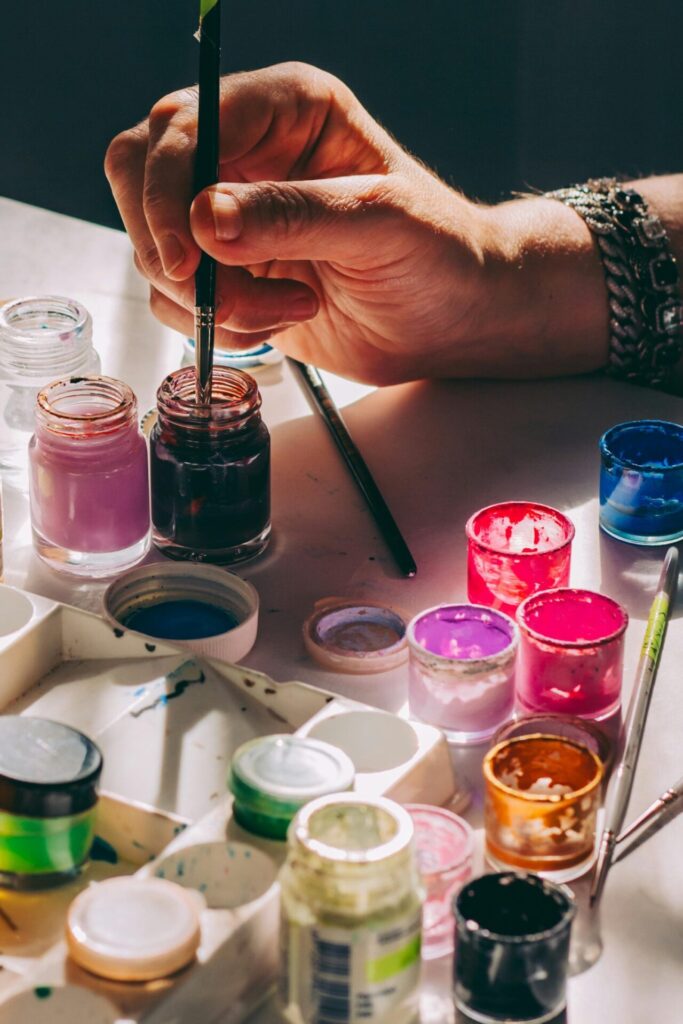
x=210, y=469
x=512, y=936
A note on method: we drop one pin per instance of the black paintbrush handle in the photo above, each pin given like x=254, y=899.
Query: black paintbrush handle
x=357, y=466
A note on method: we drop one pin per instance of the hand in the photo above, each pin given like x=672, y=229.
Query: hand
x=328, y=234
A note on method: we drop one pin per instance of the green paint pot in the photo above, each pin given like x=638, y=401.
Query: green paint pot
x=272, y=777
x=48, y=793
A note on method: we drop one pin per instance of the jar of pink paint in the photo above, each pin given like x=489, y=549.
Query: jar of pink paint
x=571, y=653
x=88, y=477
x=462, y=665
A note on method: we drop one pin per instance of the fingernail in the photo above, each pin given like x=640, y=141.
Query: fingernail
x=227, y=218
x=171, y=252
x=303, y=308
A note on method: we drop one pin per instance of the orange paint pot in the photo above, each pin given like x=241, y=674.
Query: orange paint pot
x=542, y=798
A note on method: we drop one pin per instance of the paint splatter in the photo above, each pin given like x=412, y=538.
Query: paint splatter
x=118, y=633
x=140, y=690
x=150, y=647
x=180, y=868
x=177, y=691
x=42, y=992
x=103, y=851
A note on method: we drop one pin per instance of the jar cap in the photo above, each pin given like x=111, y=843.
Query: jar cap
x=134, y=929
x=356, y=636
x=163, y=600
x=273, y=776
x=47, y=770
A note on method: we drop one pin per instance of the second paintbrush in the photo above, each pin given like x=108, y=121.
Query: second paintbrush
x=315, y=387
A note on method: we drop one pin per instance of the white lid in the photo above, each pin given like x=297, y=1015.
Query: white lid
x=134, y=929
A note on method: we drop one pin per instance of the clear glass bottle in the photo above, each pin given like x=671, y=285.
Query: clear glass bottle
x=210, y=469
x=351, y=914
x=88, y=477
x=41, y=338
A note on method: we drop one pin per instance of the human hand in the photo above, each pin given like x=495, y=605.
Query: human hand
x=326, y=232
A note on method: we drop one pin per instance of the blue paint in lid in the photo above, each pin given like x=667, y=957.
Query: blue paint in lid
x=180, y=620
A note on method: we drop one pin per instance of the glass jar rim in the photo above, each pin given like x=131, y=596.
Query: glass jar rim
x=566, y=916
x=123, y=405
x=445, y=659
x=633, y=425
x=234, y=396
x=542, y=798
x=33, y=352
x=470, y=527
x=556, y=594
x=400, y=844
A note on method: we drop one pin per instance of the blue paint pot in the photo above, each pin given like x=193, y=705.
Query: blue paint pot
x=641, y=482
x=201, y=607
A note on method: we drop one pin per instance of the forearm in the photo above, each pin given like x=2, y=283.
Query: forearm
x=548, y=310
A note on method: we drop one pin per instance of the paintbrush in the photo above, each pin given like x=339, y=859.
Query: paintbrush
x=315, y=387
x=655, y=817
x=206, y=173
x=622, y=779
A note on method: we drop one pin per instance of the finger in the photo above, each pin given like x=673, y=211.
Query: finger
x=124, y=166
x=245, y=303
x=172, y=315
x=331, y=219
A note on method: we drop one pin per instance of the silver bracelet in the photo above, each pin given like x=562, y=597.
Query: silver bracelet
x=646, y=312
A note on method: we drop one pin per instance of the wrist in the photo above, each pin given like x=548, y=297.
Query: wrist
x=546, y=310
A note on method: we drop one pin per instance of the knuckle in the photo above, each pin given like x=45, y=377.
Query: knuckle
x=121, y=151
x=282, y=207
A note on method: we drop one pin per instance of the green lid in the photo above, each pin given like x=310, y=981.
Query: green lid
x=273, y=776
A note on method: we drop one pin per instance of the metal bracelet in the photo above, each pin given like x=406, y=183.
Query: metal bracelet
x=646, y=312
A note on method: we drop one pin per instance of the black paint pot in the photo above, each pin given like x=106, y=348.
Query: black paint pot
x=512, y=948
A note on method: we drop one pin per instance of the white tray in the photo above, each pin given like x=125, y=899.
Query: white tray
x=167, y=724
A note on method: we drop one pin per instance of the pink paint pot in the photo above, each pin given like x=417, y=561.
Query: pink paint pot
x=515, y=549
x=444, y=844
x=571, y=653
x=462, y=665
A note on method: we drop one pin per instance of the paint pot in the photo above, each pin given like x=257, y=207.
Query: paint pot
x=542, y=798
x=514, y=549
x=88, y=478
x=134, y=929
x=360, y=637
x=570, y=727
x=350, y=913
x=210, y=469
x=641, y=482
x=48, y=793
x=42, y=337
x=571, y=654
x=462, y=665
x=512, y=939
x=201, y=607
x=247, y=359
x=272, y=777
x=444, y=844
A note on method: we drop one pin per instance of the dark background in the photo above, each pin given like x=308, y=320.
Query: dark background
x=496, y=95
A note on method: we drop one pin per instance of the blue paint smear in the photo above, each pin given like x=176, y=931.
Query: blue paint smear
x=181, y=620
x=104, y=851
x=140, y=690
x=178, y=690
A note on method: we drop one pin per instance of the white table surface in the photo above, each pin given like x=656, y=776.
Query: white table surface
x=439, y=451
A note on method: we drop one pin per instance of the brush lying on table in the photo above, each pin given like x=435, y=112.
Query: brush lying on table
x=205, y=174
x=314, y=386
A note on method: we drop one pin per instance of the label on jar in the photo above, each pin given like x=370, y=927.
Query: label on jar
x=351, y=976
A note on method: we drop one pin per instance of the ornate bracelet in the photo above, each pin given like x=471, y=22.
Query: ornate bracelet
x=646, y=312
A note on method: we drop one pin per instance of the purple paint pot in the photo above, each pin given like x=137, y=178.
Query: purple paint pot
x=462, y=665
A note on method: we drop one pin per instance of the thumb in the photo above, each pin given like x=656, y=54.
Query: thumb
x=326, y=219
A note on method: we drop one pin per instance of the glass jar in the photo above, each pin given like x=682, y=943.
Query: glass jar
x=351, y=908
x=41, y=338
x=210, y=469
x=88, y=477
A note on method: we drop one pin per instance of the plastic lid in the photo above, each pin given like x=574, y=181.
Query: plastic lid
x=134, y=929
x=273, y=776
x=361, y=637
x=47, y=770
